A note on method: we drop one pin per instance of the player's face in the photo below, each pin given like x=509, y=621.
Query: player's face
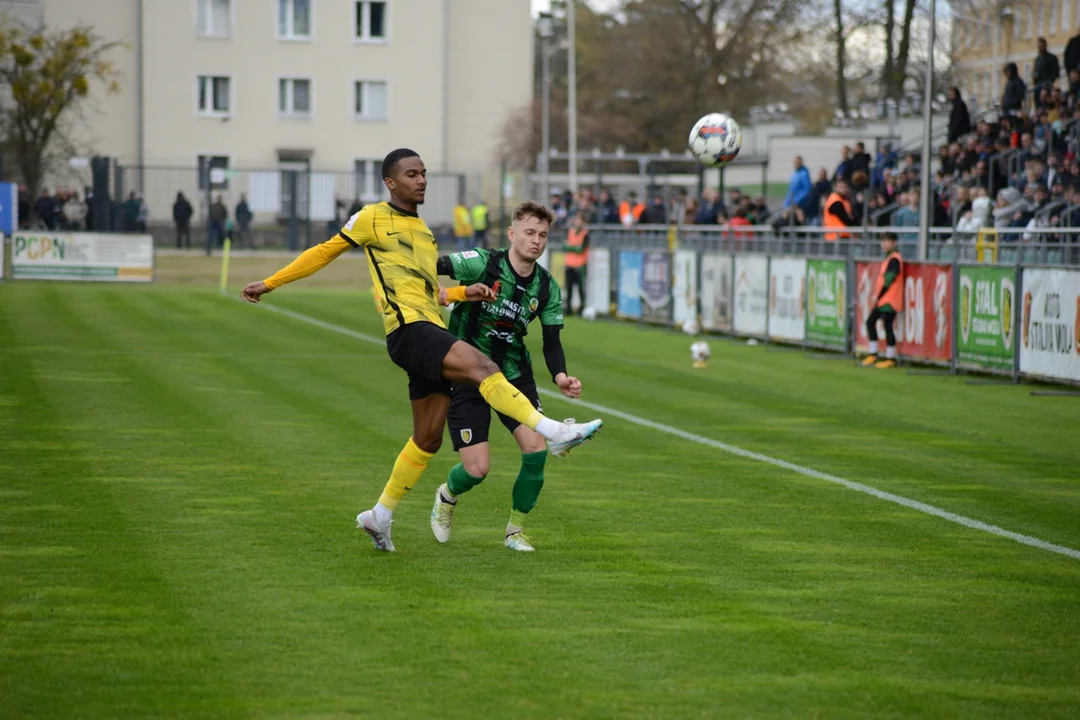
x=409, y=180
x=529, y=237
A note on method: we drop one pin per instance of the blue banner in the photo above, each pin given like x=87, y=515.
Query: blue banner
x=630, y=265
x=9, y=208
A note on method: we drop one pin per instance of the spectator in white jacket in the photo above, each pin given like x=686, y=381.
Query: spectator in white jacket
x=1009, y=203
x=978, y=217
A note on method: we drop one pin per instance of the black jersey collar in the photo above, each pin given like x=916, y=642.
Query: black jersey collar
x=522, y=278
x=402, y=210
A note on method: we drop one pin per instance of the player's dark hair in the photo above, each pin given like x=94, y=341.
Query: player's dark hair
x=889, y=236
x=533, y=209
x=390, y=162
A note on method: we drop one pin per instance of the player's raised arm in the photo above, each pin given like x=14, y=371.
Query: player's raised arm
x=353, y=235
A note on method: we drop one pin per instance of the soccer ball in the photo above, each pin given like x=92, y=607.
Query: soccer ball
x=699, y=353
x=589, y=313
x=715, y=140
x=690, y=327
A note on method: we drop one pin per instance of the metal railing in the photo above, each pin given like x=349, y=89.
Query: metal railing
x=1049, y=245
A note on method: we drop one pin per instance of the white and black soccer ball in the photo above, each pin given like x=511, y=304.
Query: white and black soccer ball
x=715, y=140
x=589, y=313
x=690, y=327
x=699, y=351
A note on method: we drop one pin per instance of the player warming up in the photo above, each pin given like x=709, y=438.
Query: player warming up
x=524, y=291
x=402, y=257
x=888, y=300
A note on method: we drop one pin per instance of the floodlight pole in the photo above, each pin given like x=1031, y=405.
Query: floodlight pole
x=927, y=198
x=571, y=71
x=546, y=30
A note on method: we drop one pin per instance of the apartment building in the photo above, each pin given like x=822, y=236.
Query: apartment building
x=325, y=85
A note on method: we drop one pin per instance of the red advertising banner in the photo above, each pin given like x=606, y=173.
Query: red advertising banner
x=924, y=327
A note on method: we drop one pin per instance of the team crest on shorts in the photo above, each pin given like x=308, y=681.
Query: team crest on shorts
x=466, y=436
x=533, y=302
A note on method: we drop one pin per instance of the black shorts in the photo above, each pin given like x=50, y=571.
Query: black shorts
x=470, y=415
x=419, y=349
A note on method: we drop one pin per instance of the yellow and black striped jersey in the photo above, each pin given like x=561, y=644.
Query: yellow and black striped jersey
x=402, y=256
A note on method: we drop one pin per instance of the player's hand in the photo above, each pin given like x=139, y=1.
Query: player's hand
x=253, y=292
x=569, y=385
x=479, y=293
x=442, y=297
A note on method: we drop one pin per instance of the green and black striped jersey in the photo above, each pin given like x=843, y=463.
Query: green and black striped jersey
x=498, y=328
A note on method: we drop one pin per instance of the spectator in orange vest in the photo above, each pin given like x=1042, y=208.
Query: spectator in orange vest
x=577, y=257
x=838, y=211
x=630, y=210
x=888, y=301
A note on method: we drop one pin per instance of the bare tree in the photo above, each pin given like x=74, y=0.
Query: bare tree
x=45, y=76
x=841, y=57
x=895, y=72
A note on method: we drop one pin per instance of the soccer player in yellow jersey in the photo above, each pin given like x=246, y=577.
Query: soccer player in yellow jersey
x=402, y=256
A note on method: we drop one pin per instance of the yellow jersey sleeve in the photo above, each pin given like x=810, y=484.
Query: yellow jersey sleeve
x=360, y=229
x=310, y=261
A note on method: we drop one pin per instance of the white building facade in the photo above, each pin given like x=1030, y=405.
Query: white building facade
x=320, y=85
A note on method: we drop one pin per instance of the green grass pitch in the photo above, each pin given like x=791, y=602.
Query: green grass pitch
x=179, y=473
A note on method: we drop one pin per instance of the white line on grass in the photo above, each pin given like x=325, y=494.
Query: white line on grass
x=748, y=454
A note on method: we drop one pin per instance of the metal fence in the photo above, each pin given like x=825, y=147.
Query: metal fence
x=1057, y=246
x=291, y=208
x=977, y=305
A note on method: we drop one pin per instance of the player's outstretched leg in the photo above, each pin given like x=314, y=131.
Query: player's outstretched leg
x=429, y=418
x=530, y=481
x=466, y=364
x=463, y=477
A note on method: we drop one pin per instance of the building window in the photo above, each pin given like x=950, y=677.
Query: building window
x=213, y=172
x=214, y=95
x=214, y=18
x=294, y=97
x=294, y=19
x=369, y=186
x=370, y=100
x=371, y=20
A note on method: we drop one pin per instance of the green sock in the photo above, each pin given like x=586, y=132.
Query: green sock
x=530, y=481
x=459, y=481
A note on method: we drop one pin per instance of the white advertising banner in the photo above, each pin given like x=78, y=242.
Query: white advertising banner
x=787, y=298
x=598, y=281
x=82, y=256
x=751, y=294
x=716, y=281
x=685, y=288
x=1050, y=324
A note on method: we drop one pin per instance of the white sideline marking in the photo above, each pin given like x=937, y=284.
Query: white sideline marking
x=749, y=454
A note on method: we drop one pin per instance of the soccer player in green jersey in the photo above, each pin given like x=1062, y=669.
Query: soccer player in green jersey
x=524, y=291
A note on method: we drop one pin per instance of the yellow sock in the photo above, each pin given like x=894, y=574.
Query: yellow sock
x=410, y=465
x=510, y=401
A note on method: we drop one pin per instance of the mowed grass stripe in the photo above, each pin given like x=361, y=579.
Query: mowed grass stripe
x=910, y=462
x=671, y=582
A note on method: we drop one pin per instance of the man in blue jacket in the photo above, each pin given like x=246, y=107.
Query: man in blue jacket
x=800, y=186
